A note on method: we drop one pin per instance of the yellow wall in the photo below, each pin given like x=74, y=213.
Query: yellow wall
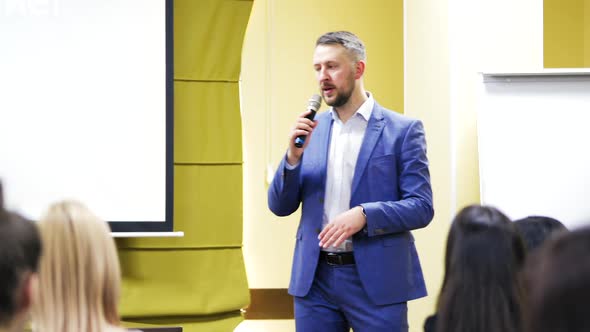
x=566, y=34
x=464, y=62
x=427, y=98
x=277, y=80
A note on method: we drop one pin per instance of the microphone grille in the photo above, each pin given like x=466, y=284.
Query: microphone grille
x=314, y=102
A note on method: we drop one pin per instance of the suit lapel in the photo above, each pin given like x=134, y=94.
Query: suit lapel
x=372, y=133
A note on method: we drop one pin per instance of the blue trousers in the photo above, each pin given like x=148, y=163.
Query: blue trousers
x=337, y=302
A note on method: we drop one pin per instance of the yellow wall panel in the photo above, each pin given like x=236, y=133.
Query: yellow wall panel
x=207, y=208
x=198, y=281
x=162, y=283
x=563, y=33
x=211, y=33
x=207, y=122
x=209, y=204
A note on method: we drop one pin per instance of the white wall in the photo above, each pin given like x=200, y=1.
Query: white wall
x=483, y=35
x=268, y=240
x=447, y=44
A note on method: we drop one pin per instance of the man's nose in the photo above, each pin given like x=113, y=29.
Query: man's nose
x=322, y=75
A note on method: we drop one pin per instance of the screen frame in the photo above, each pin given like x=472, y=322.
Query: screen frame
x=166, y=225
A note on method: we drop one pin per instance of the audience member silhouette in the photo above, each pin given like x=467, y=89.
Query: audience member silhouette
x=79, y=277
x=558, y=280
x=534, y=230
x=20, y=248
x=481, y=290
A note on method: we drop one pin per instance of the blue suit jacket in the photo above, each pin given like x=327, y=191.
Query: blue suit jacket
x=391, y=181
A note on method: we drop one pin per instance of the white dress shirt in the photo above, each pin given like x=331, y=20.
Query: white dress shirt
x=345, y=144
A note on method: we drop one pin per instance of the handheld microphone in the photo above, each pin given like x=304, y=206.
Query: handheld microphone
x=313, y=105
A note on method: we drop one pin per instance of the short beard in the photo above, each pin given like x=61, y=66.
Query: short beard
x=342, y=98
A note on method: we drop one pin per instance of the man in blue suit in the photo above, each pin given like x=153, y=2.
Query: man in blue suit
x=364, y=184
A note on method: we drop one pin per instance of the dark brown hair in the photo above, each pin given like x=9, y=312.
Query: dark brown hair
x=558, y=280
x=481, y=290
x=535, y=230
x=20, y=248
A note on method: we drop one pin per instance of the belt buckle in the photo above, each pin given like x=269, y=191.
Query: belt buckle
x=334, y=259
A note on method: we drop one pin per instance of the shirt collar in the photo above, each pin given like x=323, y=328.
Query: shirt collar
x=365, y=110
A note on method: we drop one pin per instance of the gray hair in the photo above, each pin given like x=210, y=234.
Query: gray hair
x=348, y=40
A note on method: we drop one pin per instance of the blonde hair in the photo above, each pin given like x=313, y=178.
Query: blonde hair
x=79, y=276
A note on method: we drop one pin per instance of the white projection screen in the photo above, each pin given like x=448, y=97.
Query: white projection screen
x=533, y=144
x=86, y=109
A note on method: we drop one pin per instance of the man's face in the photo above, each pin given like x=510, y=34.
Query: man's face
x=335, y=72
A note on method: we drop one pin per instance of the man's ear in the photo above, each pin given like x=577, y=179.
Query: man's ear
x=28, y=289
x=360, y=69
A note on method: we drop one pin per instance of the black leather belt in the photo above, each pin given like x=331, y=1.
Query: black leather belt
x=337, y=258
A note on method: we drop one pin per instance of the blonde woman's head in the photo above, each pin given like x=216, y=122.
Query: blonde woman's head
x=79, y=271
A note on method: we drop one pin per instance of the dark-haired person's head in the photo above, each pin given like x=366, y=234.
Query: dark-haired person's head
x=481, y=290
x=20, y=248
x=534, y=230
x=558, y=278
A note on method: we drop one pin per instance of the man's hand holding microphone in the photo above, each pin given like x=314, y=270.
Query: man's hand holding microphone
x=302, y=131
